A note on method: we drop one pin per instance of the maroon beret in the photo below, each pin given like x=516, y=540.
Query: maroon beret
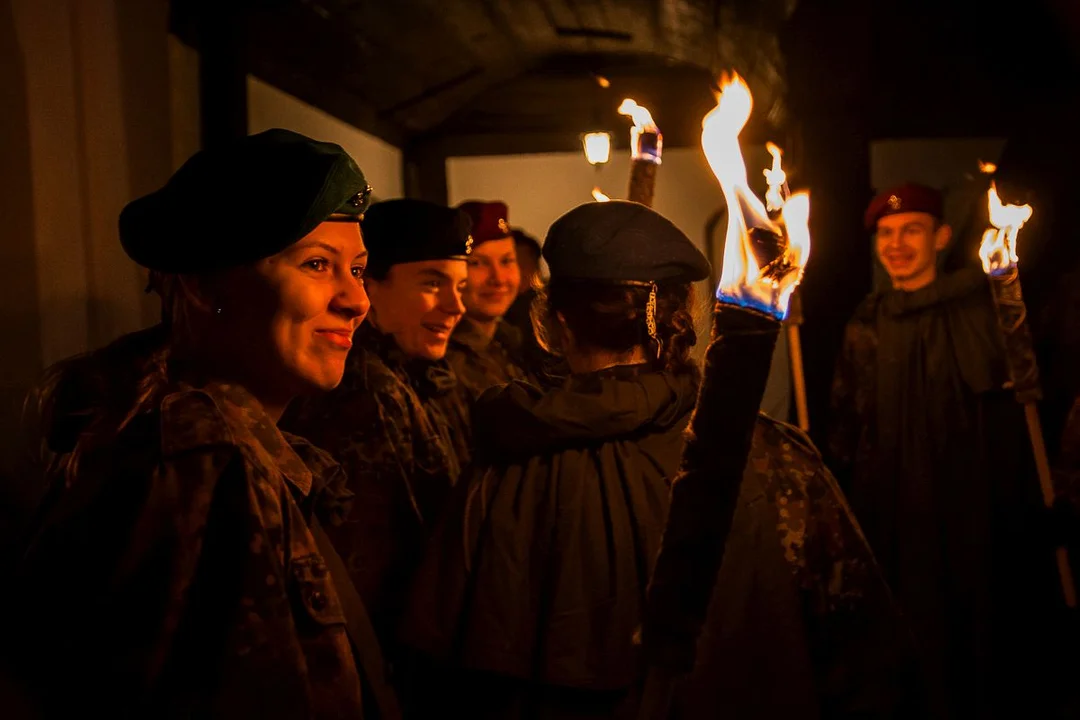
x=903, y=199
x=488, y=220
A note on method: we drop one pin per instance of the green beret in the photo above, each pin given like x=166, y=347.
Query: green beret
x=621, y=241
x=242, y=202
x=406, y=230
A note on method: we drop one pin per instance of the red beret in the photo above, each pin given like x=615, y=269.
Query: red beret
x=903, y=199
x=488, y=220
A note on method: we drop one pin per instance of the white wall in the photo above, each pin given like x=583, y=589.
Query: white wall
x=539, y=188
x=269, y=107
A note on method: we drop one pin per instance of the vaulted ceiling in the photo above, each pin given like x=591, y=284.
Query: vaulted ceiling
x=511, y=71
x=501, y=76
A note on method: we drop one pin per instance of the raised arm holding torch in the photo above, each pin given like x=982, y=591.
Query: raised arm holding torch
x=763, y=264
x=1001, y=264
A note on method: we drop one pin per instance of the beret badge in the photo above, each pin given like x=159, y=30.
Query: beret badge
x=894, y=202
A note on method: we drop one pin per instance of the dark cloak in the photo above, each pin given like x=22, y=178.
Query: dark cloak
x=935, y=451
x=538, y=572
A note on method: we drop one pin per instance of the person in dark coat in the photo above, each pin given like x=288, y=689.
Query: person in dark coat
x=484, y=350
x=534, y=583
x=935, y=454
x=180, y=569
x=398, y=422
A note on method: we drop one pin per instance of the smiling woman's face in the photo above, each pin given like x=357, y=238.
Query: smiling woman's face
x=494, y=277
x=419, y=304
x=289, y=319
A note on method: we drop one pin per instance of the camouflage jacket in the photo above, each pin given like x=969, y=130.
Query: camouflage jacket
x=399, y=428
x=68, y=398
x=176, y=575
x=801, y=619
x=480, y=362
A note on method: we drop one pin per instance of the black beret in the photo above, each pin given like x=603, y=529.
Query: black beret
x=406, y=230
x=621, y=241
x=241, y=202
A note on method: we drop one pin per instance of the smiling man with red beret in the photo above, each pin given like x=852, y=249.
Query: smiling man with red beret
x=929, y=445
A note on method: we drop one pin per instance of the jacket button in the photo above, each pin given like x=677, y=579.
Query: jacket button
x=318, y=600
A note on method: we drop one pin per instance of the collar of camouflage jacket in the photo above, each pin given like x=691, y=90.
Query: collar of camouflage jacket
x=594, y=407
x=218, y=412
x=467, y=334
x=427, y=378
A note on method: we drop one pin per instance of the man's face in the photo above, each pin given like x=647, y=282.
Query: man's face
x=494, y=278
x=907, y=245
x=419, y=304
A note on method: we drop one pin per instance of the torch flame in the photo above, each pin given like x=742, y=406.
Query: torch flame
x=642, y=118
x=998, y=247
x=987, y=168
x=775, y=178
x=599, y=196
x=769, y=286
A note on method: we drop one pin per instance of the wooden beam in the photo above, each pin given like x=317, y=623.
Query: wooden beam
x=424, y=170
x=222, y=75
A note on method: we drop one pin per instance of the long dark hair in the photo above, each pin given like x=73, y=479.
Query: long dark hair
x=612, y=318
x=129, y=378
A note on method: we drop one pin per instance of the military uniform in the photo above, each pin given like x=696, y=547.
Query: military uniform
x=399, y=426
x=480, y=362
x=801, y=621
x=68, y=399
x=178, y=567
x=387, y=423
x=181, y=565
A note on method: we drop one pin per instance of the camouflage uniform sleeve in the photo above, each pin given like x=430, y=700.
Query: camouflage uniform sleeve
x=862, y=650
x=374, y=445
x=162, y=512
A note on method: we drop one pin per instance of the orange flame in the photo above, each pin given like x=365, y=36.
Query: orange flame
x=642, y=118
x=987, y=168
x=775, y=178
x=767, y=287
x=599, y=196
x=998, y=247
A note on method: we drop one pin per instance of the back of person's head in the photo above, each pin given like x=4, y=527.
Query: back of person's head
x=621, y=279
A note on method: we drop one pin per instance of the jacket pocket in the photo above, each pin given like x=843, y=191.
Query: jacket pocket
x=316, y=599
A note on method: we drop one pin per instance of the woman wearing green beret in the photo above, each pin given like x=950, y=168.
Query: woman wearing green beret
x=180, y=569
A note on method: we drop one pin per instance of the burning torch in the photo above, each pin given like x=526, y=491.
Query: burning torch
x=775, y=197
x=1001, y=264
x=646, y=145
x=763, y=263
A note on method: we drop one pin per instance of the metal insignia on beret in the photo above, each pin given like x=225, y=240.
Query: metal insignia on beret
x=360, y=199
x=468, y=245
x=503, y=226
x=894, y=202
